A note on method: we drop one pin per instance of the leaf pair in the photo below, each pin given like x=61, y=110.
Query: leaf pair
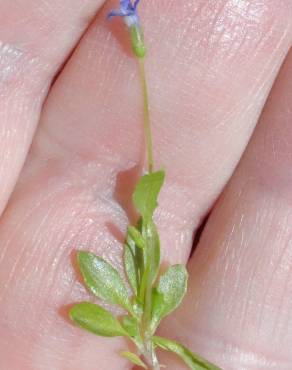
x=104, y=282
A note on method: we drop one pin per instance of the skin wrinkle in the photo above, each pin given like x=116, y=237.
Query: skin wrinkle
x=92, y=150
x=276, y=332
x=288, y=320
x=236, y=266
x=231, y=311
x=247, y=103
x=18, y=86
x=9, y=58
x=59, y=261
x=58, y=243
x=275, y=276
x=22, y=252
x=269, y=284
x=237, y=46
x=266, y=283
x=230, y=30
x=17, y=68
x=256, y=267
x=242, y=247
x=29, y=75
x=29, y=212
x=262, y=99
x=31, y=260
x=57, y=19
x=211, y=41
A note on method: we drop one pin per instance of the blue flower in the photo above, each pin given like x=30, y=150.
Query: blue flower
x=128, y=11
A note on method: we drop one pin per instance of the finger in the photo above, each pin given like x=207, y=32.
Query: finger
x=67, y=197
x=36, y=36
x=208, y=83
x=238, y=311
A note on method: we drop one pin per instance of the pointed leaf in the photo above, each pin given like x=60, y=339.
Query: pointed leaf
x=131, y=268
x=103, y=280
x=152, y=248
x=134, y=359
x=146, y=193
x=193, y=361
x=169, y=293
x=134, y=257
x=130, y=324
x=158, y=309
x=151, y=257
x=97, y=320
x=136, y=236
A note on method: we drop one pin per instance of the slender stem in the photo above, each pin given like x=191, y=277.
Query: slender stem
x=150, y=360
x=147, y=124
x=146, y=333
x=149, y=351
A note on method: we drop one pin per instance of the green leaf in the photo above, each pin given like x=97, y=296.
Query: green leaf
x=152, y=257
x=134, y=359
x=133, y=259
x=152, y=249
x=169, y=293
x=136, y=236
x=193, y=361
x=131, y=267
x=146, y=193
x=130, y=324
x=103, y=280
x=97, y=320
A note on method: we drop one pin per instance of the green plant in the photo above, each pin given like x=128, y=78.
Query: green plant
x=152, y=297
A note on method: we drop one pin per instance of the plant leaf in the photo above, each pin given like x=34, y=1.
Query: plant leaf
x=103, y=280
x=97, y=320
x=193, y=361
x=131, y=266
x=152, y=249
x=152, y=257
x=136, y=236
x=133, y=358
x=130, y=324
x=133, y=260
x=146, y=193
x=169, y=293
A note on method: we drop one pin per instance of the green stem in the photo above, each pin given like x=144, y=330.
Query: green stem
x=146, y=332
x=147, y=124
x=149, y=351
x=150, y=359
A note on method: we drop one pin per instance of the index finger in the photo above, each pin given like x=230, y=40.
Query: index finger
x=36, y=36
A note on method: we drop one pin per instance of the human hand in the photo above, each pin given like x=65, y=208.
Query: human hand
x=210, y=68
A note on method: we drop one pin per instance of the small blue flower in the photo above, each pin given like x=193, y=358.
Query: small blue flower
x=128, y=11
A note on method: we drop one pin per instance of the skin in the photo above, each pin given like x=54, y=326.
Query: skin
x=71, y=145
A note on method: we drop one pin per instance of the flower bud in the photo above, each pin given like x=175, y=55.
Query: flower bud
x=137, y=41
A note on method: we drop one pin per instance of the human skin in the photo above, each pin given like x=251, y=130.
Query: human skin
x=71, y=145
